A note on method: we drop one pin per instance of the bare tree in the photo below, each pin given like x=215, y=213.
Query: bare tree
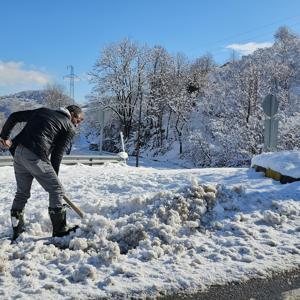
x=55, y=96
x=198, y=74
x=116, y=79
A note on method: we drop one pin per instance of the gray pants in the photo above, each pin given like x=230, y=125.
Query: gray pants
x=27, y=166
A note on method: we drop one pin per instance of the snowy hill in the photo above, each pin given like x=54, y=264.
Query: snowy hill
x=207, y=114
x=21, y=101
x=36, y=95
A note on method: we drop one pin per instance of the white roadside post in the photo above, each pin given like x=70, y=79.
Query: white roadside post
x=123, y=154
x=122, y=141
x=101, y=119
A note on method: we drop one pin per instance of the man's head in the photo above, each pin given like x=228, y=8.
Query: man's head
x=76, y=114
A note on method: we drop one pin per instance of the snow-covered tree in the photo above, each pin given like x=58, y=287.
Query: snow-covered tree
x=213, y=112
x=182, y=101
x=115, y=79
x=159, y=77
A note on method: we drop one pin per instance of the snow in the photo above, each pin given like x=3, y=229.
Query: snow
x=149, y=231
x=284, y=162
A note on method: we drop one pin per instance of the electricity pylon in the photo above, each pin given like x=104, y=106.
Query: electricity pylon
x=72, y=78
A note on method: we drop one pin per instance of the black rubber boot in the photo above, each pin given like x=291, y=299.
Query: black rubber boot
x=59, y=223
x=17, y=222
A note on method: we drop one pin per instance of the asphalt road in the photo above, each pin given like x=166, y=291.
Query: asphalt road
x=283, y=286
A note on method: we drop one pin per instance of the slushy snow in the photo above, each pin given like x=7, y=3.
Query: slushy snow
x=149, y=232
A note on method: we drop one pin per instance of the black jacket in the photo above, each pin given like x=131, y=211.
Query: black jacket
x=47, y=132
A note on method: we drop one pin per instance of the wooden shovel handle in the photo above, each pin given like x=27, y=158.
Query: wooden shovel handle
x=74, y=207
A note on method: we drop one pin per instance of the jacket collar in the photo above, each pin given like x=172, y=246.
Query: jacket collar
x=64, y=111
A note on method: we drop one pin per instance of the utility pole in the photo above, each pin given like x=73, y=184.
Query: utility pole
x=72, y=78
x=233, y=56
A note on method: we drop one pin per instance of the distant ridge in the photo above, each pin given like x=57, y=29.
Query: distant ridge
x=36, y=95
x=21, y=101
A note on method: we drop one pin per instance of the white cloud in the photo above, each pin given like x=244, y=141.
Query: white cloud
x=248, y=48
x=14, y=75
x=85, y=76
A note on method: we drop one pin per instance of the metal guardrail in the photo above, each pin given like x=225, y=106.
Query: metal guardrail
x=74, y=159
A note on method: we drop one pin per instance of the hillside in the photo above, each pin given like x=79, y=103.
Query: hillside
x=21, y=101
x=207, y=114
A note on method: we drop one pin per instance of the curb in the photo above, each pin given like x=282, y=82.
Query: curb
x=275, y=175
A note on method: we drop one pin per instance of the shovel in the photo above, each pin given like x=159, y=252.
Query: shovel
x=74, y=207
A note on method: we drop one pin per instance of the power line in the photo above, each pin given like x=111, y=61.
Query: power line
x=251, y=30
x=221, y=49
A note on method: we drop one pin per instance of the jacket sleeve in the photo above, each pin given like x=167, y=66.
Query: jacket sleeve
x=13, y=119
x=60, y=144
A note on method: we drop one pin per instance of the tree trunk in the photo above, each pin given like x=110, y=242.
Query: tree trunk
x=168, y=124
x=138, y=142
x=180, y=143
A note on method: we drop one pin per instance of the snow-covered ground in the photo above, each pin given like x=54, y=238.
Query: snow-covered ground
x=149, y=231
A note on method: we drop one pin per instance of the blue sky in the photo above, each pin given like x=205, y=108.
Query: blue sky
x=40, y=38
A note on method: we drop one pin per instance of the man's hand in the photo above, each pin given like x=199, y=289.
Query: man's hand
x=6, y=144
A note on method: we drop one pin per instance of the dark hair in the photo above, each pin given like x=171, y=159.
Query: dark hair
x=74, y=109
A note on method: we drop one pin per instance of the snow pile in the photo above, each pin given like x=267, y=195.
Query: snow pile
x=84, y=272
x=150, y=226
x=3, y=264
x=281, y=212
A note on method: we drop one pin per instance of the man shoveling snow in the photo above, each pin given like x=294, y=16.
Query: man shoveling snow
x=47, y=132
